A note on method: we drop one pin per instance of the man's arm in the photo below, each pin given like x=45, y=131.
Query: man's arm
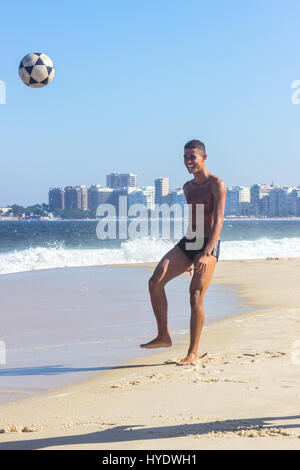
x=191, y=268
x=185, y=190
x=219, y=195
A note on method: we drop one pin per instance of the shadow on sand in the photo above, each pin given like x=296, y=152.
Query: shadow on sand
x=131, y=433
x=62, y=369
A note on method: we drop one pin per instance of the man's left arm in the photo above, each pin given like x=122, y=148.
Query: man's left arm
x=219, y=196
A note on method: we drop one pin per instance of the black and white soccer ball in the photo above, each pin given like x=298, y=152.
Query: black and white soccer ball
x=36, y=70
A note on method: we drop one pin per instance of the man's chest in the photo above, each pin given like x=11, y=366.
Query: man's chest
x=199, y=195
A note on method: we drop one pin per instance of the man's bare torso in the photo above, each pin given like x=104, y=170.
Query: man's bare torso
x=202, y=194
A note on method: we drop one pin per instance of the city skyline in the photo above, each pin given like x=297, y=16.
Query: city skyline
x=255, y=200
x=171, y=187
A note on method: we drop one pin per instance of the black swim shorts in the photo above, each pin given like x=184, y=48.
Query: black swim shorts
x=192, y=253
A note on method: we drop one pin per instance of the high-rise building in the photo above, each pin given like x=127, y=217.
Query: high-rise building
x=98, y=195
x=293, y=201
x=257, y=193
x=113, y=180
x=84, y=198
x=234, y=200
x=93, y=196
x=227, y=202
x=121, y=180
x=128, y=180
x=278, y=202
x=56, y=198
x=105, y=196
x=175, y=197
x=161, y=189
x=264, y=208
x=115, y=198
x=72, y=197
x=137, y=197
x=76, y=197
x=149, y=193
x=239, y=200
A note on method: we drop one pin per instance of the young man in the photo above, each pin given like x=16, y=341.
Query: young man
x=208, y=190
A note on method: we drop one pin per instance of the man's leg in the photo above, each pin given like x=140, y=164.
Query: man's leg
x=174, y=263
x=198, y=287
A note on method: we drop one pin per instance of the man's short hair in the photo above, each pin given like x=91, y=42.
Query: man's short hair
x=196, y=144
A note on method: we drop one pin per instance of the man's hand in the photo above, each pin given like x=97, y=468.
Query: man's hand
x=191, y=270
x=201, y=263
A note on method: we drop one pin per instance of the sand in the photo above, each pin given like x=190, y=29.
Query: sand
x=244, y=392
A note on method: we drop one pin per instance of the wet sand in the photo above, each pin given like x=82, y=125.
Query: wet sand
x=62, y=326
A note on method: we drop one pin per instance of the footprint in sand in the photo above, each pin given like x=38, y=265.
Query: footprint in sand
x=14, y=428
x=213, y=380
x=275, y=354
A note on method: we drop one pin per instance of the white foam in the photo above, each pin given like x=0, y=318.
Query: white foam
x=137, y=251
x=261, y=248
x=58, y=256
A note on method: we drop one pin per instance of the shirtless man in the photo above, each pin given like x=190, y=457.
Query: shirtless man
x=209, y=190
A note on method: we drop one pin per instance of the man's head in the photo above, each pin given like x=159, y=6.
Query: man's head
x=194, y=156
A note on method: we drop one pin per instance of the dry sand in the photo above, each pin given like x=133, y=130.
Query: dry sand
x=244, y=392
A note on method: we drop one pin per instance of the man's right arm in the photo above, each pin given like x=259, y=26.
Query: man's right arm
x=191, y=268
x=185, y=186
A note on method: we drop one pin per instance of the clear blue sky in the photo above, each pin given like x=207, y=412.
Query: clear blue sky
x=136, y=79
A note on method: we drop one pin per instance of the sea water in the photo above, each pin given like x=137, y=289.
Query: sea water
x=36, y=245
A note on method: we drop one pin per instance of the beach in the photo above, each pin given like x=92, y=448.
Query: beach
x=243, y=393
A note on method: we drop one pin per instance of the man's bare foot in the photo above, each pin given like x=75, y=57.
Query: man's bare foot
x=165, y=342
x=191, y=358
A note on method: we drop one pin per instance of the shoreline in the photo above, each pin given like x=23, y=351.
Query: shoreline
x=240, y=351
x=226, y=219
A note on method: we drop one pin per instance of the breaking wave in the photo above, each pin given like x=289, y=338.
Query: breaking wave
x=136, y=251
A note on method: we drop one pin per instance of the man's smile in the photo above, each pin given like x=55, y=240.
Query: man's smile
x=190, y=166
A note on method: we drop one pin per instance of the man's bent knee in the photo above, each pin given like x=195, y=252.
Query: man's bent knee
x=154, y=283
x=157, y=280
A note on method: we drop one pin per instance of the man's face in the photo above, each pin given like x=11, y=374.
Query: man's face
x=194, y=160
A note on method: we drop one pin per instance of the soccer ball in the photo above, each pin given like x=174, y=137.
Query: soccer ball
x=36, y=70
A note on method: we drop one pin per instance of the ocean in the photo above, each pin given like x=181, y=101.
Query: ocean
x=36, y=245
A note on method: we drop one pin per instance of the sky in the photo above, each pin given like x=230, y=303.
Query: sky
x=135, y=80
